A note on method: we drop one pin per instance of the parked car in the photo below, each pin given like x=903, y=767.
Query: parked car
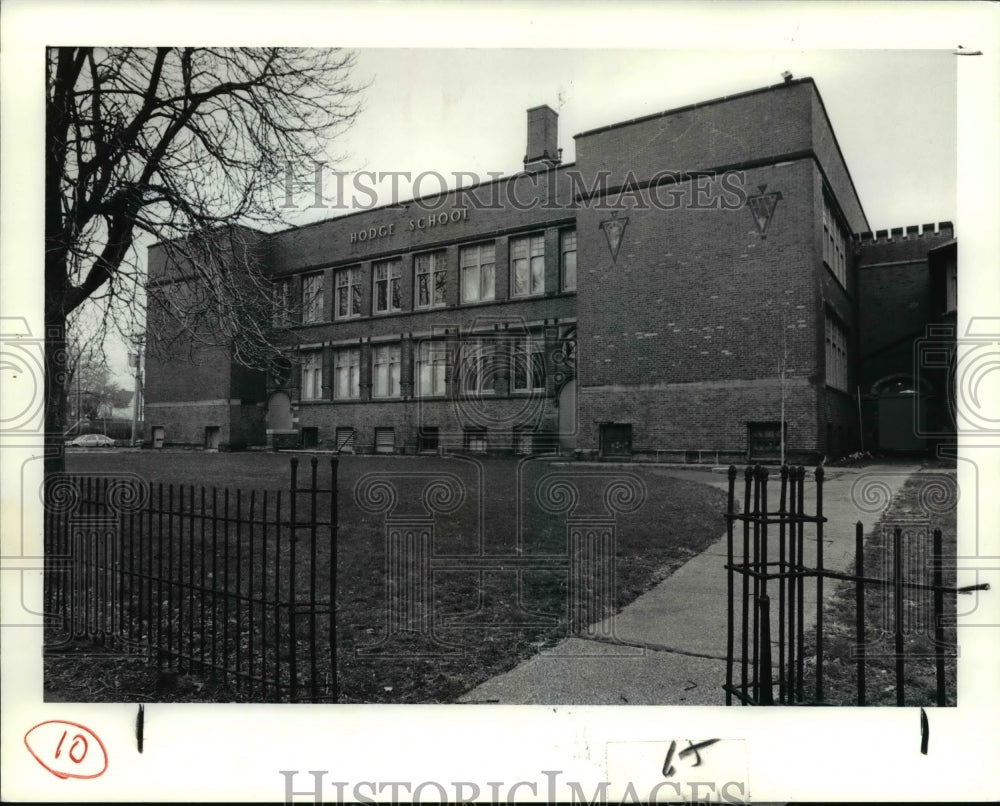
x=92, y=441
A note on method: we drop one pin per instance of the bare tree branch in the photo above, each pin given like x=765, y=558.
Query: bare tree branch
x=190, y=147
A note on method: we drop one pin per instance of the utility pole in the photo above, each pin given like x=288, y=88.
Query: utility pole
x=135, y=360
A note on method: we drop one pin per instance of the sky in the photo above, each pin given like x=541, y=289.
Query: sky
x=893, y=111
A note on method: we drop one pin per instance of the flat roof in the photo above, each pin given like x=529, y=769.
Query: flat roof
x=698, y=105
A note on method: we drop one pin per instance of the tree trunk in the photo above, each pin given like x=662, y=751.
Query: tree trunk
x=55, y=358
x=55, y=395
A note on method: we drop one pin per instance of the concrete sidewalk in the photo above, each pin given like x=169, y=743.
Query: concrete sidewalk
x=669, y=646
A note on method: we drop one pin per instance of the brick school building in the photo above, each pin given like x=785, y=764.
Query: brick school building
x=700, y=285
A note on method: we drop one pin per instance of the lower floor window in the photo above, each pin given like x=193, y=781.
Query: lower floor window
x=385, y=362
x=431, y=369
x=312, y=376
x=347, y=373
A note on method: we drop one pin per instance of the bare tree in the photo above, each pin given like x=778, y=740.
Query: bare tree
x=188, y=146
x=86, y=376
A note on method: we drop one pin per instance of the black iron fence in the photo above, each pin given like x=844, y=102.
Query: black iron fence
x=768, y=643
x=238, y=586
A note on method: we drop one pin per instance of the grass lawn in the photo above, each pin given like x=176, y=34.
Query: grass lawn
x=490, y=617
x=840, y=667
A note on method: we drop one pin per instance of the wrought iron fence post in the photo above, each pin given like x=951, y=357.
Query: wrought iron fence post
x=859, y=607
x=730, y=513
x=800, y=476
x=754, y=567
x=938, y=621
x=897, y=592
x=334, y=527
x=313, y=490
x=744, y=666
x=766, y=695
x=293, y=668
x=782, y=583
x=819, y=584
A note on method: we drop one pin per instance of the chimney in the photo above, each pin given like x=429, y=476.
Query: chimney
x=543, y=152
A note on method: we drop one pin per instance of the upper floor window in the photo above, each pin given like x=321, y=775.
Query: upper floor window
x=347, y=373
x=282, y=314
x=478, y=269
x=312, y=298
x=429, y=273
x=347, y=284
x=527, y=266
x=528, y=364
x=834, y=244
x=567, y=249
x=431, y=368
x=836, y=353
x=385, y=363
x=385, y=292
x=312, y=376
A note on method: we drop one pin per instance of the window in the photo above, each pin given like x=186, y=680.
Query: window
x=312, y=298
x=476, y=374
x=282, y=315
x=834, y=244
x=385, y=440
x=312, y=376
x=385, y=295
x=429, y=271
x=764, y=440
x=344, y=439
x=347, y=373
x=527, y=266
x=347, y=283
x=385, y=360
x=528, y=364
x=474, y=439
x=429, y=437
x=477, y=264
x=567, y=250
x=836, y=354
x=432, y=368
x=616, y=439
x=951, y=288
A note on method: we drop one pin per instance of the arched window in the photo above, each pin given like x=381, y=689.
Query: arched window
x=898, y=385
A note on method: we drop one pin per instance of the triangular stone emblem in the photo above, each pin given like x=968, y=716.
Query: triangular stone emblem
x=614, y=230
x=762, y=208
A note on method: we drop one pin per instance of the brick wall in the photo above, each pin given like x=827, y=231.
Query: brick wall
x=684, y=332
x=499, y=417
x=747, y=127
x=185, y=424
x=710, y=416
